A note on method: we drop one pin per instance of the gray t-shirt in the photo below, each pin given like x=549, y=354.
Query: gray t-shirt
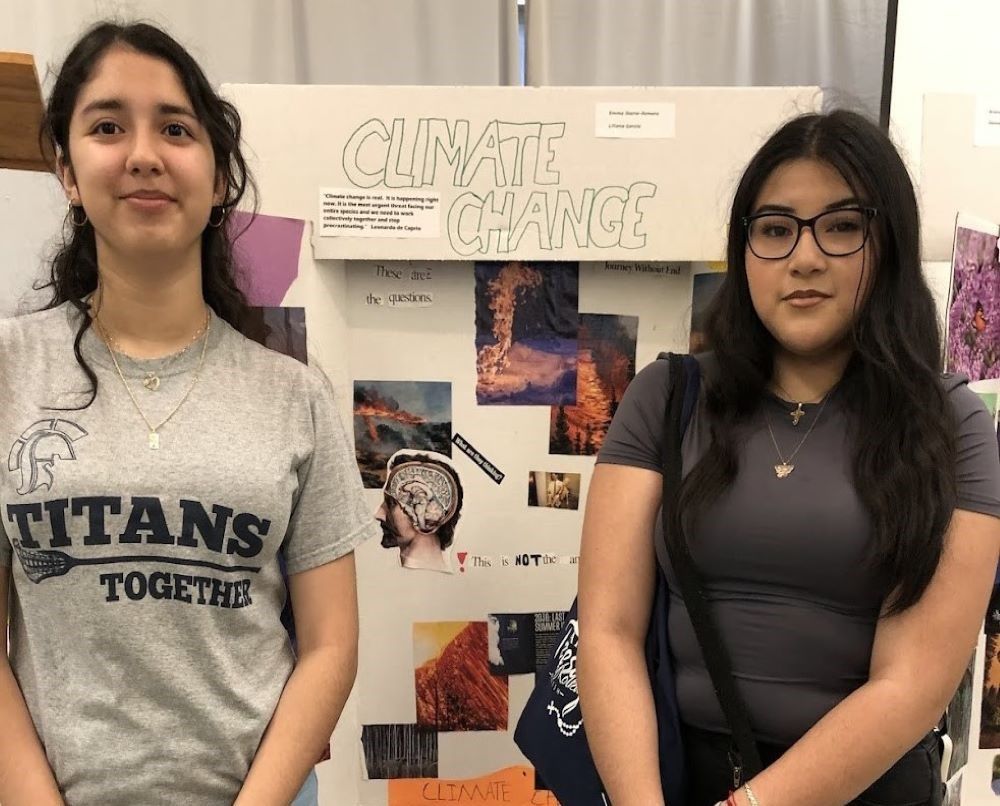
x=783, y=560
x=147, y=585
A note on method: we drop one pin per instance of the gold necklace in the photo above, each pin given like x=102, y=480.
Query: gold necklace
x=152, y=379
x=798, y=412
x=785, y=468
x=154, y=436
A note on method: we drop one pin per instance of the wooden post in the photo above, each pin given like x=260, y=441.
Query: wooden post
x=20, y=113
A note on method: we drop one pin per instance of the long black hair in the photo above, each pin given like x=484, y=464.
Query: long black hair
x=903, y=428
x=74, y=265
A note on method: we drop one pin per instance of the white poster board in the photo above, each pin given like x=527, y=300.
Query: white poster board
x=397, y=323
x=497, y=173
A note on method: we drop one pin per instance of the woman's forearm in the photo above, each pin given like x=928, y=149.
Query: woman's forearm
x=25, y=776
x=307, y=713
x=620, y=717
x=850, y=747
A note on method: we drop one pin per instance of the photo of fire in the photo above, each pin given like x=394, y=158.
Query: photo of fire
x=454, y=688
x=605, y=366
x=392, y=415
x=526, y=333
x=974, y=306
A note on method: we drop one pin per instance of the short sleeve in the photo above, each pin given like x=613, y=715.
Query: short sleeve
x=978, y=454
x=635, y=435
x=330, y=517
x=6, y=554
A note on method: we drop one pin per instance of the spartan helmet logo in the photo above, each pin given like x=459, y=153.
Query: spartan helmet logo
x=563, y=680
x=35, y=451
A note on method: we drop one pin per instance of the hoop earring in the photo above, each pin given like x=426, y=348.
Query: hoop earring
x=222, y=217
x=71, y=211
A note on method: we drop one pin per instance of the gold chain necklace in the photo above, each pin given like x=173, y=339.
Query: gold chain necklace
x=798, y=412
x=785, y=468
x=152, y=379
x=154, y=436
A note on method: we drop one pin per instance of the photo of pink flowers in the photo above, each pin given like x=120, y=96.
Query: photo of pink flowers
x=974, y=306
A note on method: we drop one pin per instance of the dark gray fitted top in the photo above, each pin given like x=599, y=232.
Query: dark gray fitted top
x=783, y=559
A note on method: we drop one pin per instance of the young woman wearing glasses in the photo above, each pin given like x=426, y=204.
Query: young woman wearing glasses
x=841, y=499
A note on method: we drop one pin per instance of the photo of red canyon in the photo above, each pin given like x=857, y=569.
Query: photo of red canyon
x=454, y=688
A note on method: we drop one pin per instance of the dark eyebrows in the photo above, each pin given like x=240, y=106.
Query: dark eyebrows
x=850, y=201
x=117, y=105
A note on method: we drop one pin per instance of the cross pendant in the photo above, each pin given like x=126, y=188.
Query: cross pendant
x=798, y=414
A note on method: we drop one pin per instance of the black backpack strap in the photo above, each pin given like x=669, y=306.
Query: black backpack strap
x=681, y=399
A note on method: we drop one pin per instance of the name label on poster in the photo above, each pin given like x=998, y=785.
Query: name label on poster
x=649, y=121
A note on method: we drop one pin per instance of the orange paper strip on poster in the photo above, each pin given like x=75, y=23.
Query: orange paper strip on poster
x=514, y=786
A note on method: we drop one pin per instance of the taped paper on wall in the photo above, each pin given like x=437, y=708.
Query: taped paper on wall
x=280, y=329
x=399, y=751
x=974, y=301
x=513, y=786
x=454, y=688
x=605, y=367
x=646, y=121
x=421, y=506
x=526, y=333
x=387, y=213
x=986, y=132
x=266, y=248
x=396, y=415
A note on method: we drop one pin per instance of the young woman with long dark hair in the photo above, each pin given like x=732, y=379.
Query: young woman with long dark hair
x=170, y=485
x=840, y=498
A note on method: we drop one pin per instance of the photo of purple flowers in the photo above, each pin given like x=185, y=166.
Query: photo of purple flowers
x=974, y=308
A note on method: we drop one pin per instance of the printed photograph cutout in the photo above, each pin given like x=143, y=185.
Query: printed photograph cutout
x=392, y=415
x=605, y=366
x=421, y=506
x=454, y=688
x=526, y=333
x=399, y=751
x=280, y=329
x=953, y=791
x=974, y=305
x=989, y=724
x=553, y=490
x=704, y=288
x=523, y=643
x=959, y=720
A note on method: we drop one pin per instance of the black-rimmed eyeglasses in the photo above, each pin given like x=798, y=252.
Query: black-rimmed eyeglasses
x=838, y=233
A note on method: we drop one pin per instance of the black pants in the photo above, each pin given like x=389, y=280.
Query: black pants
x=915, y=780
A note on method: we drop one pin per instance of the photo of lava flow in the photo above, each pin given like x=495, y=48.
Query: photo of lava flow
x=605, y=366
x=526, y=333
x=392, y=415
x=454, y=687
